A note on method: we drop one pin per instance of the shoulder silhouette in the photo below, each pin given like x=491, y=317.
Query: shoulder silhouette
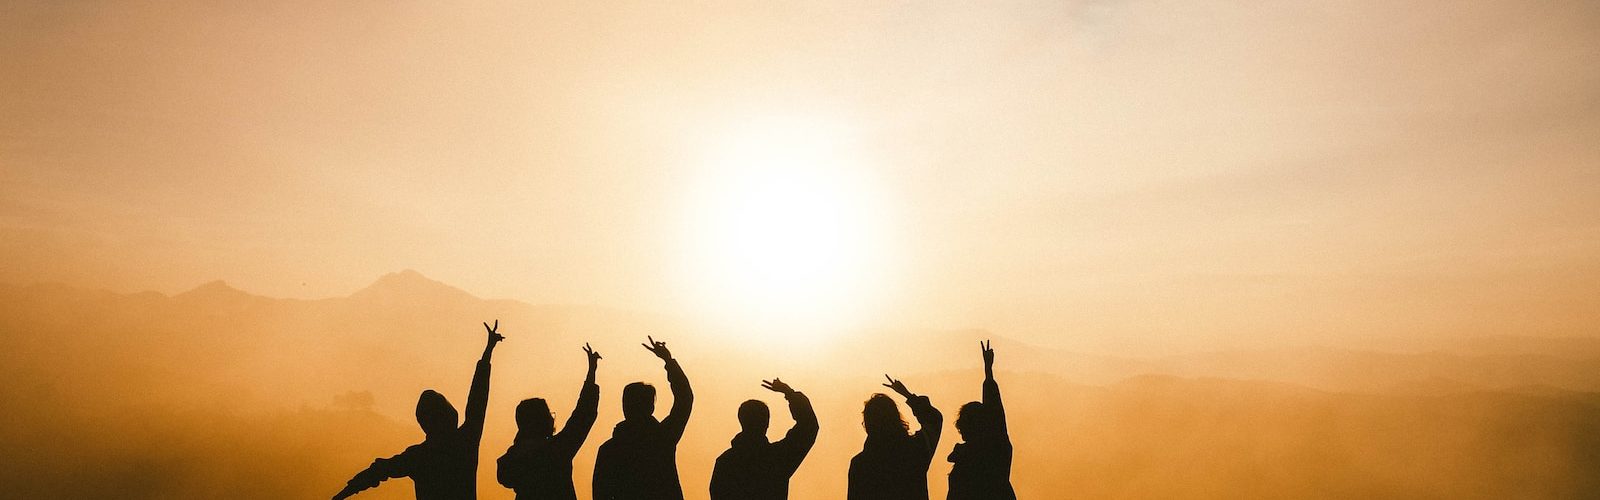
x=444, y=466
x=640, y=461
x=893, y=463
x=753, y=468
x=538, y=466
x=981, y=467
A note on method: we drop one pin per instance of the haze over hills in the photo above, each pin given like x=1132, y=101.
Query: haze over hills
x=1229, y=250
x=217, y=392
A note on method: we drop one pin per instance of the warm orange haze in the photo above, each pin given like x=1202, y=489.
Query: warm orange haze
x=1223, y=250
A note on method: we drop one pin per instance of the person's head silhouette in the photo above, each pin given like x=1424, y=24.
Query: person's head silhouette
x=638, y=401
x=975, y=421
x=435, y=414
x=535, y=419
x=881, y=416
x=754, y=417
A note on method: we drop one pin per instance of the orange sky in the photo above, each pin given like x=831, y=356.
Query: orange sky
x=1099, y=174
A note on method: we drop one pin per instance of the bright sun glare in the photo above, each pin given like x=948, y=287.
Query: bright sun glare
x=785, y=233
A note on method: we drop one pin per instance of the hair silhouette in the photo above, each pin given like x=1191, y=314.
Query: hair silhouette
x=893, y=465
x=638, y=400
x=880, y=416
x=981, y=467
x=754, y=416
x=539, y=463
x=444, y=466
x=535, y=420
x=754, y=469
x=640, y=461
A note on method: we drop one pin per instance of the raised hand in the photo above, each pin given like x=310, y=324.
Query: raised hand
x=658, y=348
x=988, y=354
x=494, y=336
x=777, y=385
x=898, y=387
x=594, y=362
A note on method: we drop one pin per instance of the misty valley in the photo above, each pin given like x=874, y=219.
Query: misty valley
x=218, y=393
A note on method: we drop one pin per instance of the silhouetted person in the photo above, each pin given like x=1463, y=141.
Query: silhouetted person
x=982, y=469
x=640, y=460
x=444, y=466
x=754, y=469
x=893, y=464
x=538, y=466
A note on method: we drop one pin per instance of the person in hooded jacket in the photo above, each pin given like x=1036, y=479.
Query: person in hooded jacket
x=640, y=461
x=893, y=463
x=444, y=466
x=754, y=469
x=982, y=464
x=538, y=466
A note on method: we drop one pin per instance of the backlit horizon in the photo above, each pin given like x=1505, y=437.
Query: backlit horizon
x=1100, y=175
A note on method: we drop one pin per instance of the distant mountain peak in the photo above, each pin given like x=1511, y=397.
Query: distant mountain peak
x=404, y=277
x=409, y=284
x=215, y=290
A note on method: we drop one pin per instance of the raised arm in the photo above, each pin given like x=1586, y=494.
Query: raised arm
x=928, y=417
x=682, y=395
x=581, y=421
x=381, y=469
x=478, y=396
x=797, y=442
x=991, y=390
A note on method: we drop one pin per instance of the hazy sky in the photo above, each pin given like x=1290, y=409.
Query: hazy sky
x=1101, y=174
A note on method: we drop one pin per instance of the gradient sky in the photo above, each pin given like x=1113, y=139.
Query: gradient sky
x=1097, y=174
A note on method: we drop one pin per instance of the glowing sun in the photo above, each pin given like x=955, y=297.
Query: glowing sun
x=785, y=233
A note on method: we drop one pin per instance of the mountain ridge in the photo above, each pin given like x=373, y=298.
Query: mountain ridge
x=407, y=306
x=1105, y=426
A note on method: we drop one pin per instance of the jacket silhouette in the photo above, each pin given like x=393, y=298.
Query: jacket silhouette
x=538, y=466
x=982, y=464
x=640, y=461
x=893, y=465
x=444, y=466
x=754, y=469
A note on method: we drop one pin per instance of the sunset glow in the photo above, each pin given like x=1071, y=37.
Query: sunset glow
x=783, y=231
x=1220, y=250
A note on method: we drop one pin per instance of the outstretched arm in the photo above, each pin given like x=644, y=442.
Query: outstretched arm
x=581, y=421
x=478, y=397
x=928, y=417
x=991, y=390
x=380, y=470
x=682, y=395
x=799, y=439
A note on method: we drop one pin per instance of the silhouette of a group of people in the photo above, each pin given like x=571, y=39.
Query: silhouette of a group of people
x=639, y=462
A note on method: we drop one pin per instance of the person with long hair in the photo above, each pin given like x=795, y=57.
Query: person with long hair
x=893, y=463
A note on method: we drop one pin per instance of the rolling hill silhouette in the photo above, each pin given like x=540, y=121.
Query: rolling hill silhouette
x=409, y=287
x=216, y=392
